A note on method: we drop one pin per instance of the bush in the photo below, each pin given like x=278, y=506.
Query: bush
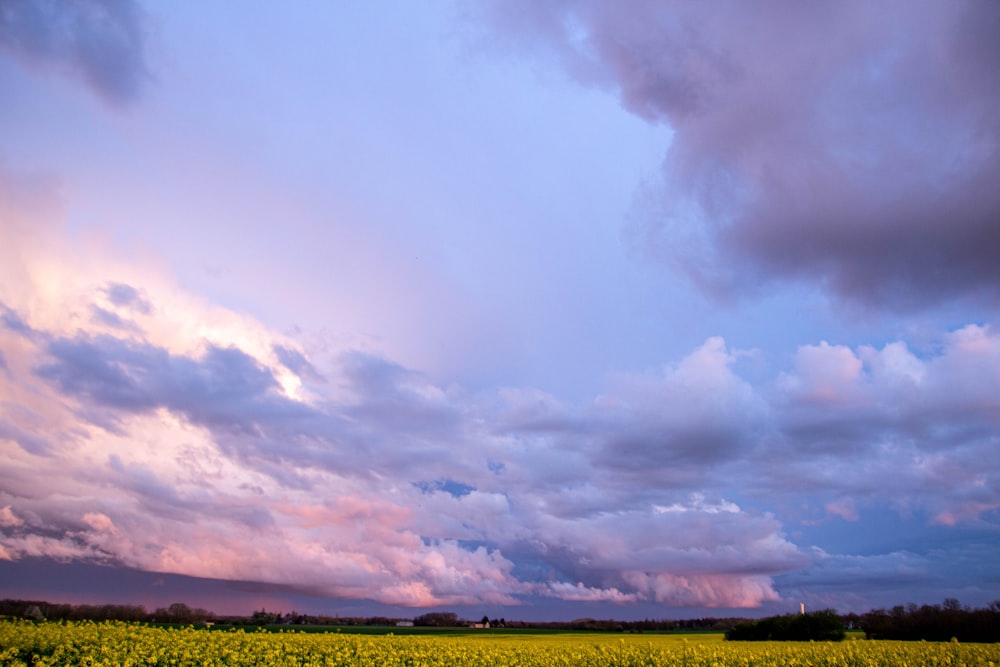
x=823, y=625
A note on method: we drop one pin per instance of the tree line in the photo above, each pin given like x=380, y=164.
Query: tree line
x=934, y=622
x=928, y=622
x=41, y=610
x=180, y=613
x=946, y=622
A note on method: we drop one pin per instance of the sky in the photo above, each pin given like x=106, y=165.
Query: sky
x=535, y=310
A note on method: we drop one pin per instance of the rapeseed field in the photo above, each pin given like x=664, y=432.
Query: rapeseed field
x=123, y=644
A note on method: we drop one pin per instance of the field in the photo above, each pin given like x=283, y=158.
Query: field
x=85, y=643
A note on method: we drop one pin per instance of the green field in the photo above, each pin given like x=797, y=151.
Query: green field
x=115, y=643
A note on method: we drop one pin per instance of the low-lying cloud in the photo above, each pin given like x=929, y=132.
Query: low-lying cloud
x=209, y=459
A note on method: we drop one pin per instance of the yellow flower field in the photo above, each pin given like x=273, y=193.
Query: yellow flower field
x=85, y=643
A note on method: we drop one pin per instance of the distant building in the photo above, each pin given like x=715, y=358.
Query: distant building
x=404, y=624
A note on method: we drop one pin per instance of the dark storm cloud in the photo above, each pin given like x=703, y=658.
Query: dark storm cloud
x=635, y=448
x=396, y=400
x=225, y=388
x=849, y=144
x=102, y=41
x=391, y=414
x=683, y=425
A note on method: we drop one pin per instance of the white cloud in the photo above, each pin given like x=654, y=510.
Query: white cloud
x=580, y=593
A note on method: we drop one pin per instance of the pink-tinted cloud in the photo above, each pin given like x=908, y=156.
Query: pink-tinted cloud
x=198, y=441
x=844, y=508
x=826, y=375
x=8, y=519
x=580, y=593
x=705, y=590
x=175, y=508
x=409, y=529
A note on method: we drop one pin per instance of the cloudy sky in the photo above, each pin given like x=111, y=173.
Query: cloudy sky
x=540, y=310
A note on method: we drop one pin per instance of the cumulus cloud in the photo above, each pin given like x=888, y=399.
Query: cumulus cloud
x=580, y=593
x=712, y=590
x=876, y=424
x=692, y=556
x=100, y=41
x=698, y=412
x=956, y=384
x=848, y=145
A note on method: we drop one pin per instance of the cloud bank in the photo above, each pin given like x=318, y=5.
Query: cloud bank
x=196, y=441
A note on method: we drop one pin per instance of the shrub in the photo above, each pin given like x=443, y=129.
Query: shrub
x=823, y=625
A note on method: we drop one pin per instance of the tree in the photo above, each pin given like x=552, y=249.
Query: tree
x=180, y=613
x=264, y=617
x=437, y=619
